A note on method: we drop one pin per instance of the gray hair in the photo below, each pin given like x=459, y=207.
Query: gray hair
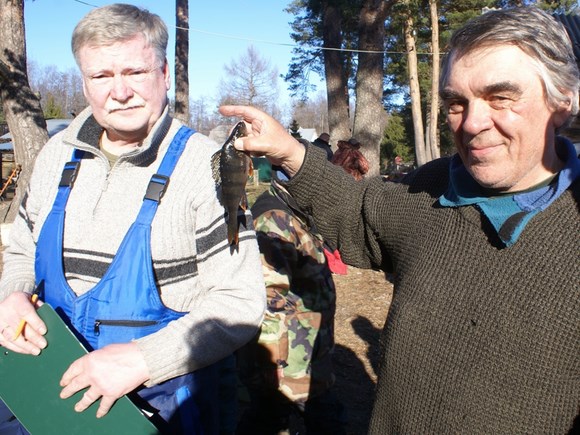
x=120, y=22
x=533, y=31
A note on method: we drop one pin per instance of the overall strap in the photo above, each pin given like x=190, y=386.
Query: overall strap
x=158, y=183
x=67, y=179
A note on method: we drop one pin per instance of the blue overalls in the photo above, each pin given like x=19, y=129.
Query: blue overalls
x=125, y=304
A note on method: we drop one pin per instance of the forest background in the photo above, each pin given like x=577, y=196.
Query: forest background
x=379, y=60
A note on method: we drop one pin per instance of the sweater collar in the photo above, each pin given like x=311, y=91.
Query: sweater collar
x=509, y=214
x=87, y=133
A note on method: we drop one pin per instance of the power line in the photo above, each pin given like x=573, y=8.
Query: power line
x=281, y=44
x=85, y=3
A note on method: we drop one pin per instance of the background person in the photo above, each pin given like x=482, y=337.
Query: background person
x=482, y=335
x=323, y=142
x=288, y=368
x=349, y=157
x=150, y=283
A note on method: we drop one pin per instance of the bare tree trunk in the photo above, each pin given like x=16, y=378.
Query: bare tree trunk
x=21, y=106
x=181, y=110
x=428, y=138
x=336, y=82
x=433, y=135
x=415, y=91
x=370, y=118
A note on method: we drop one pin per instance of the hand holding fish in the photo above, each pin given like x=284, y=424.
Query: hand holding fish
x=267, y=137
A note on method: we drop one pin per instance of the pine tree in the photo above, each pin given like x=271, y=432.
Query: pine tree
x=52, y=110
x=294, y=127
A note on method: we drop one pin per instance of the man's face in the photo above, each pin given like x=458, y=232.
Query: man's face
x=501, y=123
x=126, y=87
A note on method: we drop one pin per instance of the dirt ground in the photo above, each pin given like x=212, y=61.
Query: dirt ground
x=363, y=300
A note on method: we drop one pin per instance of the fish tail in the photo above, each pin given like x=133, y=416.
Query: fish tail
x=233, y=239
x=233, y=230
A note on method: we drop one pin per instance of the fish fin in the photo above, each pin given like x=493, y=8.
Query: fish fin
x=251, y=168
x=244, y=202
x=215, y=166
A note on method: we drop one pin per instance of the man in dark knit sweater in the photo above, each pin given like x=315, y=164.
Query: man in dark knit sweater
x=483, y=335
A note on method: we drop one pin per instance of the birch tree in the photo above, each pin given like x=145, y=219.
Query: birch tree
x=414, y=88
x=432, y=136
x=251, y=80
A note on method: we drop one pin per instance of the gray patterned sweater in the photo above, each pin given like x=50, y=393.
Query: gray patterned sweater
x=223, y=292
x=479, y=338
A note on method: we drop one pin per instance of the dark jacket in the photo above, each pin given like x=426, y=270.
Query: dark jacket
x=325, y=146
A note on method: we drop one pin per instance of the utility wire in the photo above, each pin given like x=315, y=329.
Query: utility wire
x=263, y=41
x=85, y=3
x=281, y=44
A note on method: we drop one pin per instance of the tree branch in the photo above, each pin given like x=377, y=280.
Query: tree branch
x=4, y=71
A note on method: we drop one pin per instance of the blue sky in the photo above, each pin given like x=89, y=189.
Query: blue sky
x=221, y=30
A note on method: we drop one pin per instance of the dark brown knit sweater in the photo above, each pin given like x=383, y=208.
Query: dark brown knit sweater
x=479, y=338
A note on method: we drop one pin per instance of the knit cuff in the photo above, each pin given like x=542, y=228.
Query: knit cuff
x=310, y=175
x=9, y=287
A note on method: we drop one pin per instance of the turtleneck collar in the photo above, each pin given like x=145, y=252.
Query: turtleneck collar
x=509, y=214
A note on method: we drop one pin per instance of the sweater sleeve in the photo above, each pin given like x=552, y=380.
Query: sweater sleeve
x=347, y=212
x=20, y=249
x=18, y=258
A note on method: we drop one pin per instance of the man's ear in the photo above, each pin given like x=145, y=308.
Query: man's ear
x=167, y=75
x=563, y=110
x=85, y=91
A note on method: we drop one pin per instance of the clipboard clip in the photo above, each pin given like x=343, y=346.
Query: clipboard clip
x=39, y=290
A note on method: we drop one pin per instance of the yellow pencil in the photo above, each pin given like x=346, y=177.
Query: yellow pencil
x=22, y=324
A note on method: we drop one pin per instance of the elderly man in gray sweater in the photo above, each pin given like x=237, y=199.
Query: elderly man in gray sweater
x=123, y=225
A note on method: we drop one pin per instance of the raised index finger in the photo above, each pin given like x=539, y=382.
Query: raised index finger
x=248, y=113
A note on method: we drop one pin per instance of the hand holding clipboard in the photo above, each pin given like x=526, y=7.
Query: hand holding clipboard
x=30, y=387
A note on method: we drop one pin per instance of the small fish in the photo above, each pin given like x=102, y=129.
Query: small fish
x=231, y=169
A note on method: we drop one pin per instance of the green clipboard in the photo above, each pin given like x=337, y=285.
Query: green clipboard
x=29, y=386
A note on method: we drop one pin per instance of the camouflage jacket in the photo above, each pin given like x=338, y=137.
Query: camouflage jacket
x=293, y=351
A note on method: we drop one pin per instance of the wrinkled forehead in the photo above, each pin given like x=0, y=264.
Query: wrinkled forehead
x=504, y=60
x=132, y=52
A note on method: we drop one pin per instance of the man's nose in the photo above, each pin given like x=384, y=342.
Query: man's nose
x=477, y=117
x=121, y=90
